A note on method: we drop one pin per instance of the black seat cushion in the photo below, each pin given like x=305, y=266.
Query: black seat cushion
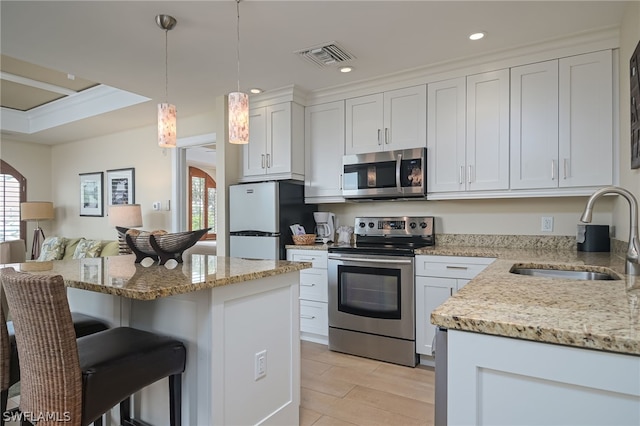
x=119, y=362
x=83, y=324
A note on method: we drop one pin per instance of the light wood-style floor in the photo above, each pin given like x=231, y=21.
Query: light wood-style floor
x=339, y=389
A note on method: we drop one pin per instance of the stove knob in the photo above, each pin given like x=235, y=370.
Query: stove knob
x=423, y=225
x=412, y=225
x=361, y=224
x=371, y=224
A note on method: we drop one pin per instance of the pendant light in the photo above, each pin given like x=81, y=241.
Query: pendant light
x=166, y=111
x=238, y=101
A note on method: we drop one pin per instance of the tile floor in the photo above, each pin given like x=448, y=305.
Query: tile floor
x=339, y=389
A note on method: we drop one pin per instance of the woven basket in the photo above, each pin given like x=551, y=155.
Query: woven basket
x=304, y=240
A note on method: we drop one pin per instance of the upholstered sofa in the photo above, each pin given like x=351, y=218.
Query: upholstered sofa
x=58, y=248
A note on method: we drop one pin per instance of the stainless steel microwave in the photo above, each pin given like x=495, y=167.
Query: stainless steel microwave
x=390, y=174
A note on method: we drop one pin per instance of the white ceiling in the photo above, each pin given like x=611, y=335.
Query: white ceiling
x=117, y=43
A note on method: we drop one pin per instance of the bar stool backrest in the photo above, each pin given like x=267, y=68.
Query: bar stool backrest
x=51, y=379
x=5, y=344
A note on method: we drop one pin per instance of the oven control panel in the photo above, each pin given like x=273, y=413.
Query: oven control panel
x=394, y=226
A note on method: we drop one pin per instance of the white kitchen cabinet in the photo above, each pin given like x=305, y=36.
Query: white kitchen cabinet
x=446, y=141
x=468, y=139
x=561, y=123
x=586, y=120
x=276, y=143
x=499, y=380
x=488, y=131
x=387, y=121
x=534, y=126
x=437, y=279
x=324, y=148
x=314, y=320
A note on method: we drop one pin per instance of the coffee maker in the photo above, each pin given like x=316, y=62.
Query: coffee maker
x=325, y=226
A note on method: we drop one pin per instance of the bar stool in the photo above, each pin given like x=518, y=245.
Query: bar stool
x=83, y=378
x=83, y=326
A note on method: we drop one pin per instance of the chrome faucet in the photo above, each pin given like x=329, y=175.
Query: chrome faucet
x=632, y=266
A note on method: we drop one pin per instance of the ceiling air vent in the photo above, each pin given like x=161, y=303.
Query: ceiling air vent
x=325, y=55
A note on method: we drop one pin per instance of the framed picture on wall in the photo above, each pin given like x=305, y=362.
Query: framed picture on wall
x=634, y=80
x=91, y=198
x=121, y=186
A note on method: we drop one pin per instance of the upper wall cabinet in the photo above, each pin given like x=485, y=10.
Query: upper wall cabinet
x=468, y=139
x=324, y=147
x=586, y=120
x=562, y=123
x=276, y=143
x=387, y=121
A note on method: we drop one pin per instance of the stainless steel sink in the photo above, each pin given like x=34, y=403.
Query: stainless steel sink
x=563, y=273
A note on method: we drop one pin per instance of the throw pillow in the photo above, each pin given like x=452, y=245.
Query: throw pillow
x=87, y=248
x=52, y=248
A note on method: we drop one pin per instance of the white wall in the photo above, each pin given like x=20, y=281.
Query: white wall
x=500, y=216
x=629, y=179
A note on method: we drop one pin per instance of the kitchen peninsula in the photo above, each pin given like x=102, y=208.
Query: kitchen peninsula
x=542, y=350
x=228, y=311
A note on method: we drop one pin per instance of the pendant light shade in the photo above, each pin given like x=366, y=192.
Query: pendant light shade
x=238, y=101
x=167, y=116
x=166, y=125
x=238, y=118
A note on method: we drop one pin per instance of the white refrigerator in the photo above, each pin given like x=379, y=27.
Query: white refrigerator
x=260, y=215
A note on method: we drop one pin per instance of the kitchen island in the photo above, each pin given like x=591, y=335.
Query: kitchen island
x=229, y=312
x=537, y=350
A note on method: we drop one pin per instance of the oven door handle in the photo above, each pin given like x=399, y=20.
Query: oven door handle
x=398, y=166
x=368, y=260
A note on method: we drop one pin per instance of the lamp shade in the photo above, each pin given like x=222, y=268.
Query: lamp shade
x=167, y=126
x=238, y=118
x=36, y=210
x=125, y=215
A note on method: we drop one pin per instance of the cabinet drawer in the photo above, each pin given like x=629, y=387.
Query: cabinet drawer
x=451, y=266
x=314, y=318
x=316, y=257
x=313, y=284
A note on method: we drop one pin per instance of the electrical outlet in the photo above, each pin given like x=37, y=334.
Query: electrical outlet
x=260, y=365
x=547, y=224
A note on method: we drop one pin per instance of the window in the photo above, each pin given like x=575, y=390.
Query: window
x=13, y=190
x=202, y=202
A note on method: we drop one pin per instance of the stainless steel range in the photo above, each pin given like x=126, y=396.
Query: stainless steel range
x=372, y=288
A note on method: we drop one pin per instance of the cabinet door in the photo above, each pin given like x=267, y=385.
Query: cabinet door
x=534, y=126
x=405, y=118
x=586, y=120
x=278, y=153
x=446, y=135
x=430, y=293
x=324, y=143
x=364, y=118
x=488, y=131
x=254, y=152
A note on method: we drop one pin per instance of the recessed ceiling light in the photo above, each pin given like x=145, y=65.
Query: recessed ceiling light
x=477, y=36
x=346, y=69
x=255, y=90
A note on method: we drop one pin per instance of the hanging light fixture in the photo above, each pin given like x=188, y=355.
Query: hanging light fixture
x=238, y=101
x=166, y=111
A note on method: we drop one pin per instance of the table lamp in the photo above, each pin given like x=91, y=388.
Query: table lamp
x=127, y=216
x=36, y=210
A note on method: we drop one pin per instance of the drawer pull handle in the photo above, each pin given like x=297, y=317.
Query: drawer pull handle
x=457, y=267
x=307, y=317
x=308, y=285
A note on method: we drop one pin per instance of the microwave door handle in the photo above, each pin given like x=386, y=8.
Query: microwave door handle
x=398, y=165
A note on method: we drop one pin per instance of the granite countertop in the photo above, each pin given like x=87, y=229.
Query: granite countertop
x=119, y=275
x=601, y=315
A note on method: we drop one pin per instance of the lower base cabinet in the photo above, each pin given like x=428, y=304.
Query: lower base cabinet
x=496, y=380
x=314, y=320
x=437, y=279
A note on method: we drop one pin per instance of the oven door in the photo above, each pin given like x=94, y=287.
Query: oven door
x=372, y=294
